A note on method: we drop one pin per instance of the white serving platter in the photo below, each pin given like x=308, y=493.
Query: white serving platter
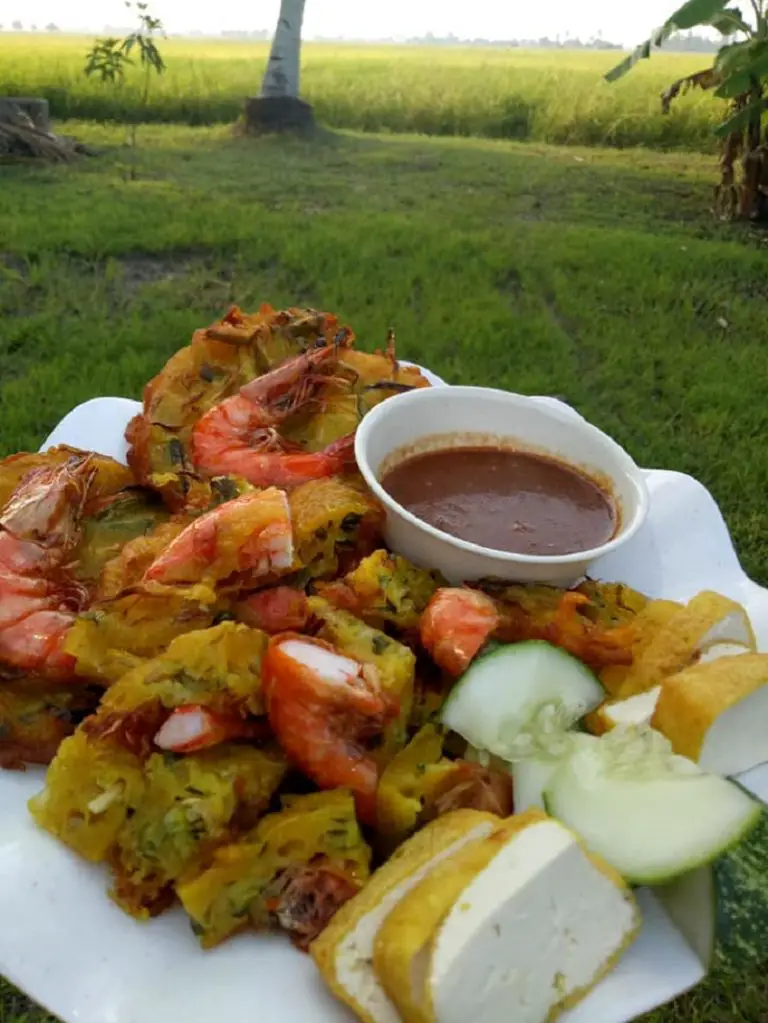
x=66, y=945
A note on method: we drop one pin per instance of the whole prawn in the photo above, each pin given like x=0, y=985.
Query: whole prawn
x=323, y=707
x=239, y=436
x=39, y=527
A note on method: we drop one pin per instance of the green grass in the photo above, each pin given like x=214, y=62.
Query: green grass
x=545, y=96
x=595, y=275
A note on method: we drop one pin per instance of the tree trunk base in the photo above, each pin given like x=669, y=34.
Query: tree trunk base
x=269, y=114
x=25, y=133
x=36, y=110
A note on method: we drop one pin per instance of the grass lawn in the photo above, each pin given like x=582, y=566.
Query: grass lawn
x=593, y=275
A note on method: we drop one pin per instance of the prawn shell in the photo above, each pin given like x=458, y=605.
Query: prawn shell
x=248, y=537
x=109, y=478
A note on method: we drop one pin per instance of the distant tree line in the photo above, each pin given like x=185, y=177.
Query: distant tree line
x=18, y=26
x=687, y=42
x=681, y=41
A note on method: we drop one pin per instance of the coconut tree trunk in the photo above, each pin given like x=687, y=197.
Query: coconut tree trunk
x=282, y=75
x=278, y=107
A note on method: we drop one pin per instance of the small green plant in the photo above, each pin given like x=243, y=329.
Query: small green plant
x=738, y=75
x=108, y=59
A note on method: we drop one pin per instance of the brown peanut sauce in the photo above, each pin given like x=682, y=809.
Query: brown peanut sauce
x=505, y=500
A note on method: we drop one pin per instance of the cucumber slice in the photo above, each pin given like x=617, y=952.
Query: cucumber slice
x=529, y=780
x=652, y=814
x=520, y=698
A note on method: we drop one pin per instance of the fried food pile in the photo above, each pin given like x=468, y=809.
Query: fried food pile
x=235, y=684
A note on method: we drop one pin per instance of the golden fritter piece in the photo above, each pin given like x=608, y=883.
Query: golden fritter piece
x=153, y=820
x=408, y=782
x=91, y=788
x=334, y=521
x=189, y=806
x=120, y=521
x=36, y=715
x=114, y=636
x=384, y=588
x=240, y=890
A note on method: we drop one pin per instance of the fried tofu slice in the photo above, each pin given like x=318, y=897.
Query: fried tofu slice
x=454, y=949
x=344, y=951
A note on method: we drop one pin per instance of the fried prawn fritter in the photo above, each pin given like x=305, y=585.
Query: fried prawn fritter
x=219, y=361
x=408, y=782
x=384, y=588
x=114, y=636
x=363, y=380
x=245, y=886
x=334, y=520
x=155, y=819
x=394, y=663
x=91, y=788
x=36, y=715
x=188, y=807
x=218, y=669
x=109, y=476
x=596, y=623
x=117, y=522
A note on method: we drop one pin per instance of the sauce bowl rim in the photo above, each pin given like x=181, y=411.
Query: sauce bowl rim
x=631, y=472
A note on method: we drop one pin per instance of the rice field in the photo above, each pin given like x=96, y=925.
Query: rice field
x=543, y=96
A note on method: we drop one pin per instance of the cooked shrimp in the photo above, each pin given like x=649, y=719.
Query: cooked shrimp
x=251, y=535
x=322, y=707
x=193, y=728
x=303, y=900
x=238, y=436
x=472, y=787
x=278, y=609
x=457, y=622
x=39, y=528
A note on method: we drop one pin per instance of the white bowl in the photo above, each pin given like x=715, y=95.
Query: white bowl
x=432, y=418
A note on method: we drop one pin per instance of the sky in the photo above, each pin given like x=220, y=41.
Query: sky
x=619, y=20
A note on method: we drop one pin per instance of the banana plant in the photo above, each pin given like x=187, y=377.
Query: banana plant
x=738, y=75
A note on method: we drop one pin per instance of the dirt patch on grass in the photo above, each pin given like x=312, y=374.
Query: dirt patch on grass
x=140, y=268
x=14, y=264
x=510, y=283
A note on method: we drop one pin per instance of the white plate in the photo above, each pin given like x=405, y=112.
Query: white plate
x=66, y=945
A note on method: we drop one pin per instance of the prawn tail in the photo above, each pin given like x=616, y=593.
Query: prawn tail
x=341, y=453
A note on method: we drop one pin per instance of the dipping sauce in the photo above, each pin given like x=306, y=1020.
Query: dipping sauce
x=506, y=500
